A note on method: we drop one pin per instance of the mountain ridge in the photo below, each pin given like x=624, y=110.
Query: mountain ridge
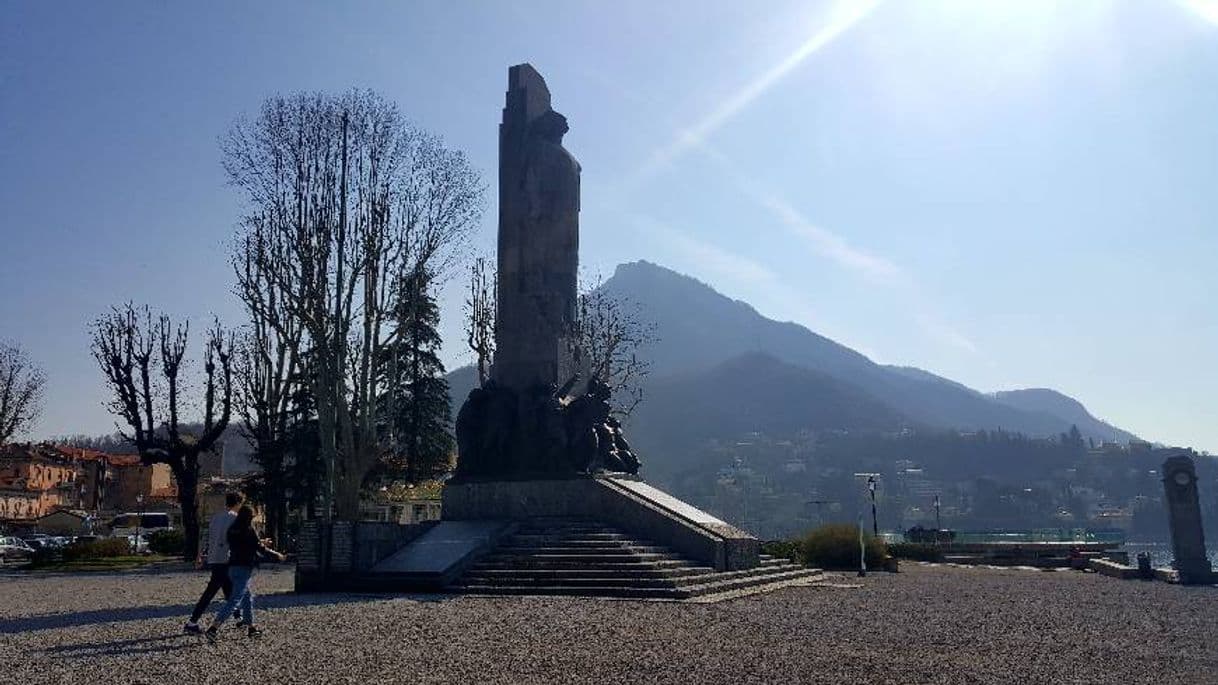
x=698, y=327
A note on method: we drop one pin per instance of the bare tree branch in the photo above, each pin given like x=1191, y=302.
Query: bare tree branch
x=21, y=391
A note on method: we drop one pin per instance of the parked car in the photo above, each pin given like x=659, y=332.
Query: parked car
x=126, y=525
x=15, y=549
x=81, y=539
x=138, y=544
x=39, y=541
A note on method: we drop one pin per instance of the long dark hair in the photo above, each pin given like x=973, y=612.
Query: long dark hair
x=245, y=518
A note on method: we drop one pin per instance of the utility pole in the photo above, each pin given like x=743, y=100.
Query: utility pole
x=938, y=524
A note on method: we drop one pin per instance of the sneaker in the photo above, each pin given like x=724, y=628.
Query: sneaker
x=192, y=628
x=253, y=632
x=212, y=635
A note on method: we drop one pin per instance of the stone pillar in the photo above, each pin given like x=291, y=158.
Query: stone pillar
x=1184, y=518
x=538, y=257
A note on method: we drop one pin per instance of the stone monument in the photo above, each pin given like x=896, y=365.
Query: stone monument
x=539, y=416
x=1184, y=517
x=537, y=447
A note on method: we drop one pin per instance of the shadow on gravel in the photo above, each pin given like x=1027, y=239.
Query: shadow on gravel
x=144, y=645
x=119, y=615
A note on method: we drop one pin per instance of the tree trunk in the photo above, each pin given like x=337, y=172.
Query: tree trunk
x=188, y=495
x=346, y=494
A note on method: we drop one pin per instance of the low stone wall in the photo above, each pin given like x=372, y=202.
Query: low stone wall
x=655, y=516
x=1112, y=569
x=353, y=548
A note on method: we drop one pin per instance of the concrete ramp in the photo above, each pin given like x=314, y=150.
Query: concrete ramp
x=440, y=555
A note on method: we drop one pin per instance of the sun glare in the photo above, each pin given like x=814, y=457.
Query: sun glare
x=1205, y=9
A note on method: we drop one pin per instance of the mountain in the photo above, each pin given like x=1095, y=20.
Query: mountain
x=698, y=329
x=756, y=392
x=719, y=367
x=1055, y=403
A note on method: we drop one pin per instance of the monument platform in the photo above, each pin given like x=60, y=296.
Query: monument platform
x=608, y=535
x=622, y=501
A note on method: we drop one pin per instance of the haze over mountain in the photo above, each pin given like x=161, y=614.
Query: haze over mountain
x=707, y=341
x=721, y=368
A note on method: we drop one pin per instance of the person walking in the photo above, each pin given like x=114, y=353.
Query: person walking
x=244, y=551
x=217, y=560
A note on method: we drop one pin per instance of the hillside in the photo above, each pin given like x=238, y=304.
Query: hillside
x=700, y=328
x=1055, y=403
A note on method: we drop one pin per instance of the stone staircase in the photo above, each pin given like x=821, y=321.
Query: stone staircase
x=582, y=557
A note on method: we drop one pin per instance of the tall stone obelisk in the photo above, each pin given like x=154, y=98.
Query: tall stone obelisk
x=538, y=240
x=534, y=418
x=1184, y=519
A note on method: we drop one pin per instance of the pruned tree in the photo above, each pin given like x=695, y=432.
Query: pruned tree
x=352, y=202
x=268, y=371
x=610, y=333
x=21, y=388
x=144, y=362
x=480, y=304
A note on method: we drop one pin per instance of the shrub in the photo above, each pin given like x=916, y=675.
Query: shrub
x=97, y=549
x=836, y=546
x=916, y=551
x=168, y=542
x=782, y=549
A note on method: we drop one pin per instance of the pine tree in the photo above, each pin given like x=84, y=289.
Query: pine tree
x=415, y=423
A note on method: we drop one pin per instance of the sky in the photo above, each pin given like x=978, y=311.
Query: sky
x=1009, y=193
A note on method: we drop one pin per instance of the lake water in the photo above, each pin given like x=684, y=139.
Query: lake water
x=1160, y=553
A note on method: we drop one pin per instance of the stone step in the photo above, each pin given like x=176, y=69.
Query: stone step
x=612, y=591
x=560, y=580
x=583, y=572
x=588, y=539
x=568, y=557
x=687, y=577
x=632, y=591
x=610, y=565
x=569, y=548
x=747, y=582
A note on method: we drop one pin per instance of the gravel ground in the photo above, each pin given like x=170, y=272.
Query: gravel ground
x=924, y=625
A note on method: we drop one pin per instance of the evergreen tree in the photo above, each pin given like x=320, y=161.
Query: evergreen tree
x=414, y=416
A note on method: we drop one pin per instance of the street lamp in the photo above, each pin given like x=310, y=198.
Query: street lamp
x=139, y=521
x=938, y=524
x=875, y=523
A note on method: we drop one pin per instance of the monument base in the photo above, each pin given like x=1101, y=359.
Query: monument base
x=625, y=502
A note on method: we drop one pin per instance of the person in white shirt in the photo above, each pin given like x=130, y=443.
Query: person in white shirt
x=216, y=559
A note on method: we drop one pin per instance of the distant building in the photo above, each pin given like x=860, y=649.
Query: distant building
x=63, y=522
x=38, y=479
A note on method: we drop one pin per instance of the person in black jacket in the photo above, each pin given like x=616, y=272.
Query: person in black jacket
x=244, y=552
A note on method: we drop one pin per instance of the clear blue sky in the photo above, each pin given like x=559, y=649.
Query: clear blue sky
x=1011, y=194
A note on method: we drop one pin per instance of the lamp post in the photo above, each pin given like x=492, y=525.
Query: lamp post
x=862, y=549
x=938, y=524
x=139, y=521
x=875, y=523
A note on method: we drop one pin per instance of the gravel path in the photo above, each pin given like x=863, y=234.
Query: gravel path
x=925, y=625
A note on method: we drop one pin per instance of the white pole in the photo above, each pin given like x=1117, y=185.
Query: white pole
x=862, y=548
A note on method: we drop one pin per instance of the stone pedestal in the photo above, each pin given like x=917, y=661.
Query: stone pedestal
x=1184, y=518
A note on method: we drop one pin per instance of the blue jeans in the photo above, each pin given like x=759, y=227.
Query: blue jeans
x=242, y=593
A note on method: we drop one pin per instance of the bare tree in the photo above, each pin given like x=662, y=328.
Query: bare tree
x=144, y=363
x=21, y=388
x=480, y=315
x=610, y=332
x=267, y=369
x=352, y=202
